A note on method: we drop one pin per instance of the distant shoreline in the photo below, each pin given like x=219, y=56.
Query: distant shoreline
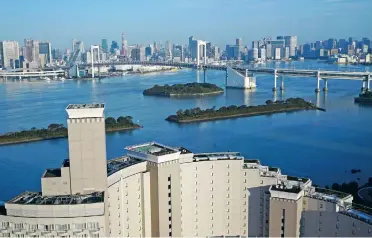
x=34, y=139
x=251, y=114
x=233, y=111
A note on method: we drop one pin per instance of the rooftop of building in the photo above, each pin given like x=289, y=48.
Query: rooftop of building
x=298, y=179
x=85, y=106
x=117, y=164
x=288, y=189
x=36, y=198
x=52, y=173
x=217, y=156
x=152, y=148
x=183, y=150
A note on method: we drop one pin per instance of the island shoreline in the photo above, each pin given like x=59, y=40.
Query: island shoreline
x=35, y=139
x=251, y=114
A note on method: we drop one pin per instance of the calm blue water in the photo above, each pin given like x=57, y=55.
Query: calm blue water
x=321, y=145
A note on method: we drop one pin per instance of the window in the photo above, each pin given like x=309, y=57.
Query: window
x=353, y=232
x=211, y=174
x=169, y=202
x=169, y=186
x=228, y=166
x=211, y=181
x=227, y=203
x=169, y=210
x=320, y=213
x=228, y=181
x=169, y=178
x=211, y=188
x=196, y=175
x=321, y=205
x=245, y=181
x=170, y=226
x=212, y=166
x=245, y=174
x=228, y=173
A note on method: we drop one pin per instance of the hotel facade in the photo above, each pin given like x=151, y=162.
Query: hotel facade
x=157, y=190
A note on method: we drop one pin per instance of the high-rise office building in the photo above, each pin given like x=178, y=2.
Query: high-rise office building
x=104, y=45
x=255, y=44
x=168, y=50
x=197, y=50
x=239, y=41
x=124, y=46
x=331, y=44
x=9, y=53
x=291, y=43
x=160, y=191
x=45, y=49
x=274, y=45
x=32, y=50
x=148, y=51
x=114, y=47
x=138, y=53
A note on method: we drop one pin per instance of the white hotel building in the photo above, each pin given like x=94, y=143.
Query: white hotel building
x=156, y=190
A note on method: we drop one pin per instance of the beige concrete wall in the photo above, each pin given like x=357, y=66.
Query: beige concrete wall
x=53, y=211
x=92, y=226
x=52, y=186
x=128, y=204
x=257, y=185
x=292, y=210
x=321, y=218
x=212, y=198
x=87, y=151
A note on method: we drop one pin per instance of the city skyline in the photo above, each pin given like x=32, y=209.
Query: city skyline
x=153, y=25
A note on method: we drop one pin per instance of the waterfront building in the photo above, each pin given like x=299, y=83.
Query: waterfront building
x=45, y=51
x=160, y=191
x=277, y=53
x=9, y=53
x=255, y=44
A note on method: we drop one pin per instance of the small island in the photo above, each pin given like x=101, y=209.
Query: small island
x=188, y=89
x=198, y=115
x=365, y=97
x=55, y=131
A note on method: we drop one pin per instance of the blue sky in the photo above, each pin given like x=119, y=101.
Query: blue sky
x=218, y=21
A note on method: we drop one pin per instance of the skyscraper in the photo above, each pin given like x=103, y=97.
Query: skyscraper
x=124, y=46
x=32, y=50
x=168, y=50
x=45, y=48
x=114, y=46
x=9, y=53
x=138, y=53
x=291, y=43
x=104, y=45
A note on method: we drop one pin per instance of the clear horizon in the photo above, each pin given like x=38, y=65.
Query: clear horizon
x=218, y=21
